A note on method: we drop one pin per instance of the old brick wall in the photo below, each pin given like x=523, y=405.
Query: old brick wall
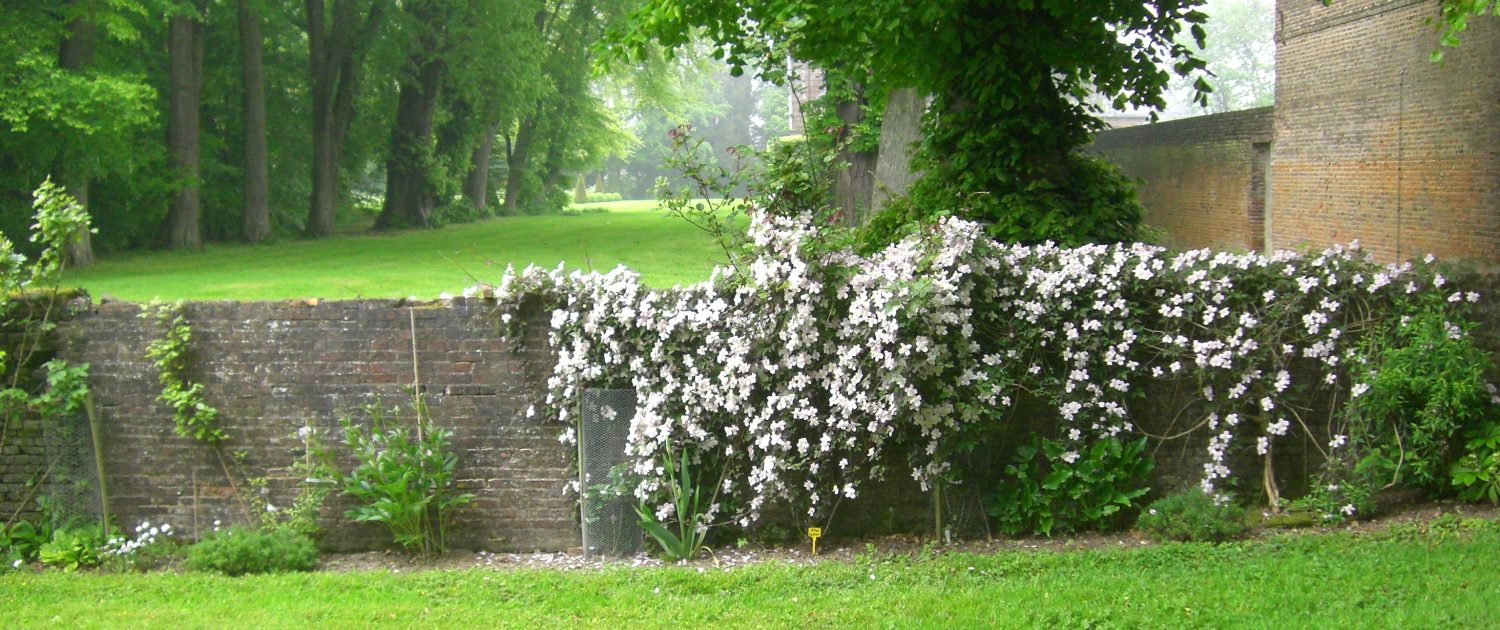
x=1196, y=175
x=272, y=368
x=1374, y=142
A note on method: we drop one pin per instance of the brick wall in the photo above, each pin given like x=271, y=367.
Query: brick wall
x=272, y=368
x=1196, y=175
x=1374, y=142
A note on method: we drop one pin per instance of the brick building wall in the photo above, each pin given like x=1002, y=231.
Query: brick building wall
x=1375, y=142
x=272, y=368
x=1201, y=179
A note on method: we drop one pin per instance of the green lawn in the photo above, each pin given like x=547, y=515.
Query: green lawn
x=666, y=251
x=1324, y=581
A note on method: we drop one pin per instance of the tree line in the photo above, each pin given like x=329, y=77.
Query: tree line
x=177, y=122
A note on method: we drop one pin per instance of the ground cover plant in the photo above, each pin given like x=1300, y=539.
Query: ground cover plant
x=1417, y=576
x=424, y=263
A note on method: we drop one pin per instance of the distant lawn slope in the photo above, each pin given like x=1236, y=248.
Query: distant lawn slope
x=424, y=263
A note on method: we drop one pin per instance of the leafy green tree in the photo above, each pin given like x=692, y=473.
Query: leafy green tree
x=1240, y=53
x=67, y=106
x=1009, y=84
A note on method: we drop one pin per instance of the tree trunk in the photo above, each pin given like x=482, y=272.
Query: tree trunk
x=185, y=60
x=854, y=185
x=476, y=184
x=900, y=130
x=256, y=213
x=516, y=162
x=77, y=54
x=408, y=193
x=336, y=53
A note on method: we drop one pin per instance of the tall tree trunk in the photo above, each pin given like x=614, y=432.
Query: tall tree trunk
x=900, y=130
x=336, y=53
x=854, y=185
x=77, y=54
x=516, y=162
x=256, y=225
x=185, y=60
x=476, y=184
x=408, y=191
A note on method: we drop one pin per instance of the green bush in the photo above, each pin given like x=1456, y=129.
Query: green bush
x=238, y=551
x=1049, y=487
x=404, y=478
x=1477, y=473
x=601, y=197
x=72, y=548
x=1194, y=516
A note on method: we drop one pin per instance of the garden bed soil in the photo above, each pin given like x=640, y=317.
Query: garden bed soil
x=1397, y=513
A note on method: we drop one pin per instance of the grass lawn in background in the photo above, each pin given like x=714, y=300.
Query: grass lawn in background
x=664, y=250
x=1339, y=580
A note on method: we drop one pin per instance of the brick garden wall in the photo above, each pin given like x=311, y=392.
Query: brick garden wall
x=1197, y=176
x=272, y=368
x=1375, y=142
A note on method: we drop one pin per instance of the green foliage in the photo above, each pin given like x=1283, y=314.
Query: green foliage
x=599, y=197
x=72, y=548
x=403, y=478
x=316, y=478
x=1193, y=516
x=708, y=202
x=1424, y=387
x=794, y=178
x=1477, y=473
x=237, y=551
x=191, y=415
x=1050, y=488
x=689, y=500
x=22, y=542
x=1453, y=20
x=1092, y=203
x=1016, y=88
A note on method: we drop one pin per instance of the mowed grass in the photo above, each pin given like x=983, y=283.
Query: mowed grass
x=1324, y=581
x=424, y=263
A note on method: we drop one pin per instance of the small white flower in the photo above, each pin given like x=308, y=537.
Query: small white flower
x=17, y=564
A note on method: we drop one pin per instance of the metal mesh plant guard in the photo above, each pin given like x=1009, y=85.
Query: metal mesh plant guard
x=72, y=484
x=610, y=525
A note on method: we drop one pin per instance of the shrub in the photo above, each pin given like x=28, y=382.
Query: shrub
x=1477, y=474
x=601, y=197
x=1050, y=486
x=1424, y=388
x=1193, y=516
x=403, y=479
x=237, y=551
x=72, y=548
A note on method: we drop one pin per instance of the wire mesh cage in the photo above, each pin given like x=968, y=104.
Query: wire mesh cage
x=72, y=484
x=610, y=524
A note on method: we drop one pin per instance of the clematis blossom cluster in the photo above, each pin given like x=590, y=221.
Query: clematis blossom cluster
x=806, y=370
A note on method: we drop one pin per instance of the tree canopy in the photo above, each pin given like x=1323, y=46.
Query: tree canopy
x=1014, y=88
